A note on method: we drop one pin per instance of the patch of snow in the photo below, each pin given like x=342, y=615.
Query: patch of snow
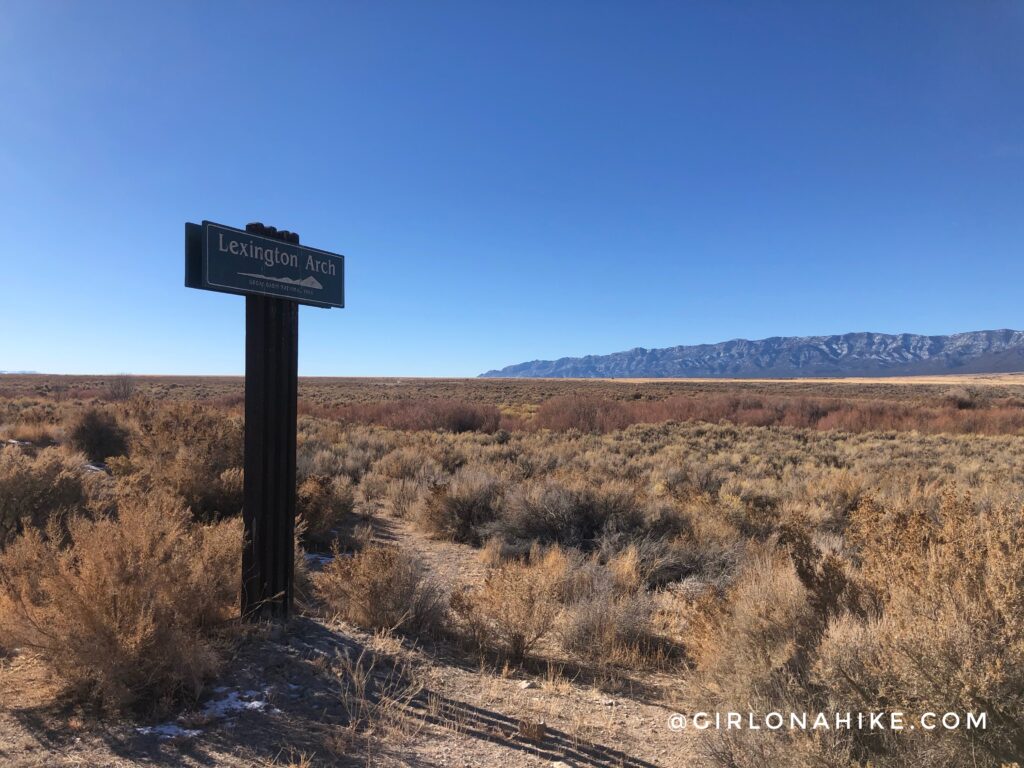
x=317, y=560
x=167, y=731
x=238, y=702
x=218, y=709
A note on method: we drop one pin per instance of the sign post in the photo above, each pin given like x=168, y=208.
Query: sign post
x=275, y=274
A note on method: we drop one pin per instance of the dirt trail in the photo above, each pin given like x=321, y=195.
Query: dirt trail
x=447, y=560
x=586, y=724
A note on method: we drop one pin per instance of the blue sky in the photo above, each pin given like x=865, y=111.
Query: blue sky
x=509, y=181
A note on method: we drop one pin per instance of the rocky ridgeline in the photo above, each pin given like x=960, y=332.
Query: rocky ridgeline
x=851, y=354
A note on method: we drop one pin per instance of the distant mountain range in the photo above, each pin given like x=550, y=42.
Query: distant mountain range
x=851, y=354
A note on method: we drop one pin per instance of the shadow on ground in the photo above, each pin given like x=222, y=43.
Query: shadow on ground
x=319, y=692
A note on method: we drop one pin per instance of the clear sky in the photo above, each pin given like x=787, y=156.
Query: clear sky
x=509, y=180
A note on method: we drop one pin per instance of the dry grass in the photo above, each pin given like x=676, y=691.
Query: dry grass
x=377, y=695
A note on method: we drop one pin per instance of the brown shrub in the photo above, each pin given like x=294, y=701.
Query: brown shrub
x=515, y=607
x=382, y=587
x=492, y=553
x=403, y=496
x=184, y=450
x=609, y=614
x=460, y=509
x=648, y=563
x=572, y=515
x=407, y=463
x=748, y=644
x=586, y=414
x=924, y=616
x=98, y=435
x=816, y=568
x=690, y=479
x=446, y=415
x=36, y=433
x=125, y=611
x=964, y=398
x=961, y=413
x=372, y=492
x=606, y=628
x=324, y=503
x=749, y=506
x=353, y=453
x=34, y=488
x=121, y=387
x=948, y=629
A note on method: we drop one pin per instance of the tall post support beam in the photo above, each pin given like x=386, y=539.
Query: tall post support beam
x=271, y=392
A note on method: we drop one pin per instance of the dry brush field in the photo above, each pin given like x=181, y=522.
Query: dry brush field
x=486, y=564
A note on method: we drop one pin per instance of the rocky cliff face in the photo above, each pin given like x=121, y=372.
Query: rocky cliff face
x=851, y=354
